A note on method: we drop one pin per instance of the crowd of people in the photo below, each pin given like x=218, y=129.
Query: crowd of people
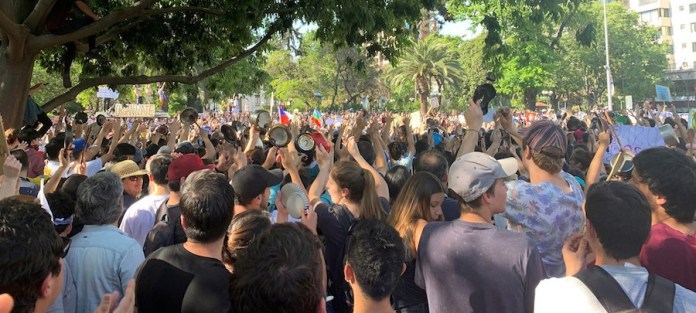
x=460, y=213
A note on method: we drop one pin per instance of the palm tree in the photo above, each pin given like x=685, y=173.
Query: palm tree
x=426, y=62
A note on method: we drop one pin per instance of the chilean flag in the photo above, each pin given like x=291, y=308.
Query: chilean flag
x=284, y=117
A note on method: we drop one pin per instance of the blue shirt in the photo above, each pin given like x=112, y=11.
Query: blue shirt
x=102, y=259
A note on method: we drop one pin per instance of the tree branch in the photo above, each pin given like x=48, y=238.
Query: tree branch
x=184, y=79
x=8, y=27
x=561, y=28
x=41, y=42
x=182, y=9
x=38, y=15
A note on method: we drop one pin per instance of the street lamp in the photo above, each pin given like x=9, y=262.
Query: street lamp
x=606, y=50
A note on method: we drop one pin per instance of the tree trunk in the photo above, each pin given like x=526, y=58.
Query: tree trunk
x=530, y=99
x=423, y=103
x=15, y=78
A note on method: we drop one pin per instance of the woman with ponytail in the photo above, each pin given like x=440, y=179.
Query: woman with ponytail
x=418, y=203
x=357, y=191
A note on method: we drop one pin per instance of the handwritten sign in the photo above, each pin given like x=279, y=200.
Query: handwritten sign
x=135, y=110
x=635, y=139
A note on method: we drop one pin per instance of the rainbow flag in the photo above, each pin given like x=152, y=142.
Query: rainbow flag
x=284, y=117
x=317, y=119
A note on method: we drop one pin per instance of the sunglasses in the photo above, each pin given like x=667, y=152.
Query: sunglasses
x=66, y=246
x=135, y=178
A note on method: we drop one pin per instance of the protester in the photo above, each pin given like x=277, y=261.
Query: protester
x=418, y=204
x=102, y=258
x=434, y=162
x=282, y=270
x=244, y=229
x=191, y=277
x=668, y=179
x=548, y=209
x=140, y=217
x=373, y=266
x=490, y=270
x=132, y=181
x=618, y=224
x=252, y=186
x=32, y=256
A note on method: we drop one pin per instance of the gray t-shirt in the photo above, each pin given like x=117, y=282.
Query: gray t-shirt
x=474, y=267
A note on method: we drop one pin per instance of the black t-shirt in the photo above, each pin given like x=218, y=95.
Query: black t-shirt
x=333, y=224
x=173, y=279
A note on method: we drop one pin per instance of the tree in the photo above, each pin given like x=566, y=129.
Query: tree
x=173, y=36
x=427, y=63
x=522, y=39
x=470, y=55
x=637, y=59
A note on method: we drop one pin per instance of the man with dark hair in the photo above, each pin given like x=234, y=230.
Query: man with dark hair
x=26, y=187
x=63, y=211
x=618, y=224
x=374, y=264
x=252, y=185
x=32, y=256
x=667, y=178
x=190, y=277
x=548, y=208
x=124, y=151
x=488, y=269
x=434, y=162
x=167, y=230
x=36, y=162
x=102, y=258
x=140, y=217
x=282, y=270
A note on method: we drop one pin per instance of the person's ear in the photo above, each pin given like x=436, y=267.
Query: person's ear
x=590, y=232
x=527, y=153
x=183, y=222
x=660, y=200
x=348, y=273
x=345, y=192
x=321, y=307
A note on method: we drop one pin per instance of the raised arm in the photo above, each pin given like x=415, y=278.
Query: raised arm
x=325, y=161
x=474, y=119
x=380, y=183
x=597, y=163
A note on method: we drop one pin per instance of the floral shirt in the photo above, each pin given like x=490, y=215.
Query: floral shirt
x=548, y=215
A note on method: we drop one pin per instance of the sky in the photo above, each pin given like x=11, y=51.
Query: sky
x=460, y=29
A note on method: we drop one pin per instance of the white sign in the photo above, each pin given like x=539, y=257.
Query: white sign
x=629, y=102
x=134, y=110
x=635, y=139
x=107, y=93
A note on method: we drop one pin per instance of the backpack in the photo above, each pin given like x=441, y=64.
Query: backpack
x=167, y=230
x=659, y=295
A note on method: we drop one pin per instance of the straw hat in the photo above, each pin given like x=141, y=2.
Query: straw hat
x=127, y=168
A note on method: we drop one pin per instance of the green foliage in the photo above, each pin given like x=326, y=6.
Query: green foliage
x=637, y=59
x=427, y=63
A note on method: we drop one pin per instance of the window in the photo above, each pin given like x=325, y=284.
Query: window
x=664, y=13
x=693, y=46
x=684, y=65
x=649, y=16
x=693, y=27
x=667, y=31
x=692, y=8
x=684, y=45
x=681, y=8
x=694, y=64
x=646, y=2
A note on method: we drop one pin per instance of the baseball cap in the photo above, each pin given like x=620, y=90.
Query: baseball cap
x=127, y=168
x=544, y=134
x=185, y=165
x=253, y=179
x=472, y=174
x=78, y=144
x=151, y=150
x=185, y=148
x=294, y=199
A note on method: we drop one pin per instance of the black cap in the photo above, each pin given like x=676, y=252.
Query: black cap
x=252, y=180
x=185, y=148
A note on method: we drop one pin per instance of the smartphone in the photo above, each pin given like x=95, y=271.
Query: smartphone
x=320, y=140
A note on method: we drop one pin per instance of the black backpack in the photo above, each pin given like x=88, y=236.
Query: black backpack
x=659, y=295
x=167, y=230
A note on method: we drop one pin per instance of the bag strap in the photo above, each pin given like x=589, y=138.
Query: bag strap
x=606, y=289
x=659, y=295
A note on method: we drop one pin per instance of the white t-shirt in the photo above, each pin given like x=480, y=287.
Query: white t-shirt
x=569, y=294
x=140, y=217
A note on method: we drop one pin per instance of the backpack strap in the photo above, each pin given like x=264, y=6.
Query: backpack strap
x=659, y=296
x=606, y=289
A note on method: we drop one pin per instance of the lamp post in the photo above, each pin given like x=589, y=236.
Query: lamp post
x=606, y=50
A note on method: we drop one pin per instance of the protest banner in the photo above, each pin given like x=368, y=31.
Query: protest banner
x=634, y=139
x=662, y=94
x=134, y=110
